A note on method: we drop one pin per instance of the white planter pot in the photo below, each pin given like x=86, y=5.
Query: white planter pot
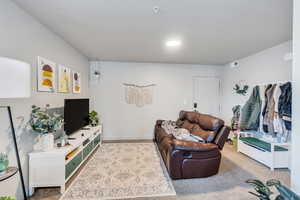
x=45, y=142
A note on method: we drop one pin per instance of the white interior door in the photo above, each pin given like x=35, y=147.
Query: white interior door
x=207, y=94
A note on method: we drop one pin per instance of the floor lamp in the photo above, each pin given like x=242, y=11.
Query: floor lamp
x=14, y=83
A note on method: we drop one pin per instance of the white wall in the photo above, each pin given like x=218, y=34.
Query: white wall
x=172, y=94
x=24, y=38
x=296, y=101
x=264, y=67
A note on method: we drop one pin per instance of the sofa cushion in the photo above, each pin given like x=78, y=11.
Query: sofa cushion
x=185, y=124
x=206, y=122
x=207, y=136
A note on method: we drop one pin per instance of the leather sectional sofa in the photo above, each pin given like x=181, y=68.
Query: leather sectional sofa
x=186, y=159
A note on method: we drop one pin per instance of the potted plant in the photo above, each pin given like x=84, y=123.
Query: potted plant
x=3, y=162
x=94, y=119
x=263, y=191
x=45, y=125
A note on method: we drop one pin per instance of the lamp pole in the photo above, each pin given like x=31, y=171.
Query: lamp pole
x=16, y=149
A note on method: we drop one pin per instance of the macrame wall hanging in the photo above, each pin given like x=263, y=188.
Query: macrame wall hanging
x=139, y=95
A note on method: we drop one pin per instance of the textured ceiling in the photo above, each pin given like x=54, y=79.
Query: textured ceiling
x=211, y=31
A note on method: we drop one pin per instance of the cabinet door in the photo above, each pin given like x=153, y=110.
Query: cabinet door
x=73, y=164
x=97, y=140
x=87, y=149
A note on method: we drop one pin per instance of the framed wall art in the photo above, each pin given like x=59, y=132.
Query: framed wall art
x=64, y=79
x=76, y=82
x=46, y=75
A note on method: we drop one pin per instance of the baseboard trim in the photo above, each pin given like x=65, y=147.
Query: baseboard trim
x=129, y=141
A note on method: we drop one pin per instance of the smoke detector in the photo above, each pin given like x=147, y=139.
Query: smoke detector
x=156, y=9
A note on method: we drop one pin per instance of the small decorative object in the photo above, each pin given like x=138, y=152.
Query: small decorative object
x=3, y=162
x=241, y=89
x=95, y=72
x=46, y=75
x=195, y=107
x=263, y=191
x=64, y=79
x=76, y=82
x=94, y=119
x=45, y=124
x=7, y=198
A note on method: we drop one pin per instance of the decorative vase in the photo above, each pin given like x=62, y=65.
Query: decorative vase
x=3, y=165
x=45, y=142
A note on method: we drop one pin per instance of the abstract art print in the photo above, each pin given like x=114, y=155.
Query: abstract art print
x=64, y=79
x=46, y=75
x=76, y=82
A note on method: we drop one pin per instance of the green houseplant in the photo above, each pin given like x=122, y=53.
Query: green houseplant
x=3, y=162
x=94, y=118
x=263, y=191
x=45, y=124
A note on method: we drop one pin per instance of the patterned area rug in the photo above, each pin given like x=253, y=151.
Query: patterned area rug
x=120, y=171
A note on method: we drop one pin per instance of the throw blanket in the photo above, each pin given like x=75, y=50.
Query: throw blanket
x=179, y=133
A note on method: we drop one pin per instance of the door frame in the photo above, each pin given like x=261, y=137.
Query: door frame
x=220, y=88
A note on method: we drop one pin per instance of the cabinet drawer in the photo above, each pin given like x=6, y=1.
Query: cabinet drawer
x=73, y=164
x=87, y=150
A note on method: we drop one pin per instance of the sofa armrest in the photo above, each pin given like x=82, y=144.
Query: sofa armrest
x=193, y=146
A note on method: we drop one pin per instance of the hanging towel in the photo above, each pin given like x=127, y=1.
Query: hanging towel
x=251, y=111
x=269, y=111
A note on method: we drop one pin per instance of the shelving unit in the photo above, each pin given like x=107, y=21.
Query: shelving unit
x=54, y=168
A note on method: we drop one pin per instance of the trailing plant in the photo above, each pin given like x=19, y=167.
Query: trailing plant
x=263, y=191
x=42, y=122
x=241, y=90
x=7, y=198
x=94, y=118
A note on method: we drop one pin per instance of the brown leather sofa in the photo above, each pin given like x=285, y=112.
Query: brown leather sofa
x=185, y=159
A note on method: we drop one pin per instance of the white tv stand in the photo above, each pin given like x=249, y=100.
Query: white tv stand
x=55, y=167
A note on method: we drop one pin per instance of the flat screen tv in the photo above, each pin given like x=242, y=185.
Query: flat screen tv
x=76, y=114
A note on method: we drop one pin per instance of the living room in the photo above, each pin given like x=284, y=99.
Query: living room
x=135, y=64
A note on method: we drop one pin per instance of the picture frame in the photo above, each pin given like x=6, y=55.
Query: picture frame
x=46, y=73
x=76, y=77
x=64, y=79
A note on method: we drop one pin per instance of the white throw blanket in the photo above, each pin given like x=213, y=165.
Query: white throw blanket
x=179, y=133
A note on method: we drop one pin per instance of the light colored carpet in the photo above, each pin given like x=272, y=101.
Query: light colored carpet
x=228, y=184
x=119, y=171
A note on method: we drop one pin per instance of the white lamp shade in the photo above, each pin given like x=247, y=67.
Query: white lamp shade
x=14, y=78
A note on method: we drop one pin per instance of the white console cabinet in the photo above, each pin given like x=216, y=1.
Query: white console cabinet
x=55, y=167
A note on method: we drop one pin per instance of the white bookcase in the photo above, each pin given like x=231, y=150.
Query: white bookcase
x=53, y=169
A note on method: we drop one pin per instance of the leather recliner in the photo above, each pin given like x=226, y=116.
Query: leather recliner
x=186, y=159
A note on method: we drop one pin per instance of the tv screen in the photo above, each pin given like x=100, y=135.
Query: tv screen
x=76, y=114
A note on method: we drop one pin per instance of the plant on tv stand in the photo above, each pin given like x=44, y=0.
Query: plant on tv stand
x=94, y=118
x=42, y=122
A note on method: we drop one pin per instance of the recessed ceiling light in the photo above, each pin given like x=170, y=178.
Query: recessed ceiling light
x=173, y=43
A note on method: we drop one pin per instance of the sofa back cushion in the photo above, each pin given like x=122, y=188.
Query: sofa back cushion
x=196, y=130
x=206, y=122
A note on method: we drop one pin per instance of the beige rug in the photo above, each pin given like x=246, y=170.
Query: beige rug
x=120, y=171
